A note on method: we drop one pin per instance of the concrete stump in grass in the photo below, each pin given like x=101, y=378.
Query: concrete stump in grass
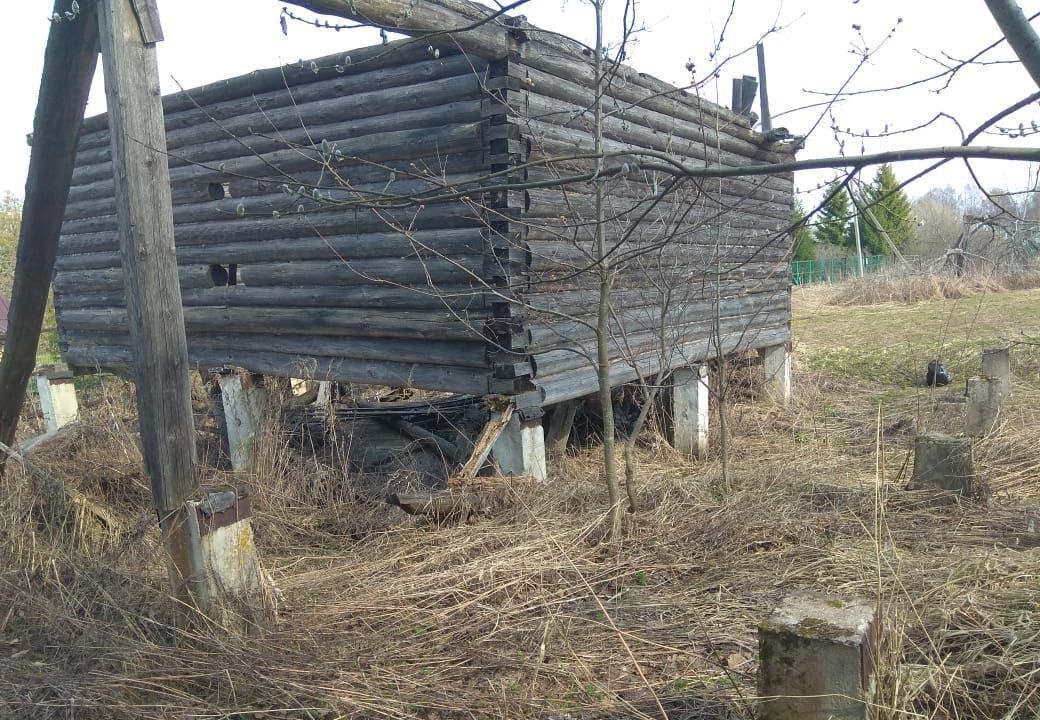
x=996, y=363
x=944, y=462
x=816, y=659
x=983, y=406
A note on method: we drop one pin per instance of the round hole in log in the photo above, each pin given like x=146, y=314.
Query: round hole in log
x=218, y=275
x=215, y=191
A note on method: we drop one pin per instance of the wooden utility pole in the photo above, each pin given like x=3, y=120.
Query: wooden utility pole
x=68, y=68
x=144, y=209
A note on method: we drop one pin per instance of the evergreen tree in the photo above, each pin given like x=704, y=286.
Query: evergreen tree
x=803, y=245
x=834, y=225
x=890, y=211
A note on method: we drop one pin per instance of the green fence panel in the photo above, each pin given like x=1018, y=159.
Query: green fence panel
x=807, y=272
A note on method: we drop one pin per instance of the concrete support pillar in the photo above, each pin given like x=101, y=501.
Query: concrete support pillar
x=996, y=363
x=57, y=398
x=816, y=659
x=520, y=449
x=983, y=407
x=776, y=364
x=324, y=398
x=943, y=462
x=228, y=583
x=690, y=411
x=244, y=404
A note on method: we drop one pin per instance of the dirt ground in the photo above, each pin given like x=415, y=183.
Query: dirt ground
x=529, y=611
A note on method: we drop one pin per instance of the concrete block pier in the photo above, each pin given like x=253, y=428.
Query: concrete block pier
x=816, y=659
x=944, y=462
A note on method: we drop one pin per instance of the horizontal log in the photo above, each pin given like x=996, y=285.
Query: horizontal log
x=631, y=86
x=576, y=355
x=562, y=147
x=374, y=147
x=334, y=248
x=364, y=61
x=573, y=384
x=727, y=193
x=272, y=112
x=651, y=110
x=276, y=199
x=427, y=324
x=241, y=138
x=661, y=133
x=386, y=372
x=683, y=320
x=458, y=297
x=288, y=228
x=432, y=352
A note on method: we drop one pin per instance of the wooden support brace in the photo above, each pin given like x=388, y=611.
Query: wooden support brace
x=560, y=424
x=488, y=437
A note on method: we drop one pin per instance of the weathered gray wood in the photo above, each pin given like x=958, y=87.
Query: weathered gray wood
x=248, y=146
x=336, y=248
x=637, y=342
x=68, y=68
x=150, y=266
x=560, y=57
x=426, y=324
x=650, y=109
x=560, y=424
x=571, y=384
x=265, y=112
x=456, y=297
x=259, y=83
x=457, y=21
x=433, y=352
x=441, y=93
x=295, y=226
x=448, y=449
x=119, y=359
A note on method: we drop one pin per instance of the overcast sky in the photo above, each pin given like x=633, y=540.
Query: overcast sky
x=813, y=51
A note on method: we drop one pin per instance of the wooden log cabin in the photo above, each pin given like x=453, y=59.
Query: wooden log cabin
x=415, y=215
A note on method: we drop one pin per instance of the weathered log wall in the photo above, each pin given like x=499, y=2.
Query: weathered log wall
x=287, y=268
x=694, y=265
x=282, y=270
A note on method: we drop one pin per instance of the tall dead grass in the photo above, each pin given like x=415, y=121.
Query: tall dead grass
x=529, y=612
x=920, y=287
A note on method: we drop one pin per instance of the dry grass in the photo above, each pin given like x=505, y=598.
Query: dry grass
x=530, y=613
x=885, y=288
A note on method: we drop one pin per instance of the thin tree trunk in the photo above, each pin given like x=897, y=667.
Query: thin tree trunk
x=68, y=68
x=606, y=280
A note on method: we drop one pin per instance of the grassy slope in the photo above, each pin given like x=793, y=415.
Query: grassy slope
x=891, y=344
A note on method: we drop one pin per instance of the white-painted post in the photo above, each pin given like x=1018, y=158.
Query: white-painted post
x=229, y=583
x=244, y=404
x=996, y=363
x=520, y=449
x=776, y=364
x=57, y=399
x=690, y=411
x=324, y=398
